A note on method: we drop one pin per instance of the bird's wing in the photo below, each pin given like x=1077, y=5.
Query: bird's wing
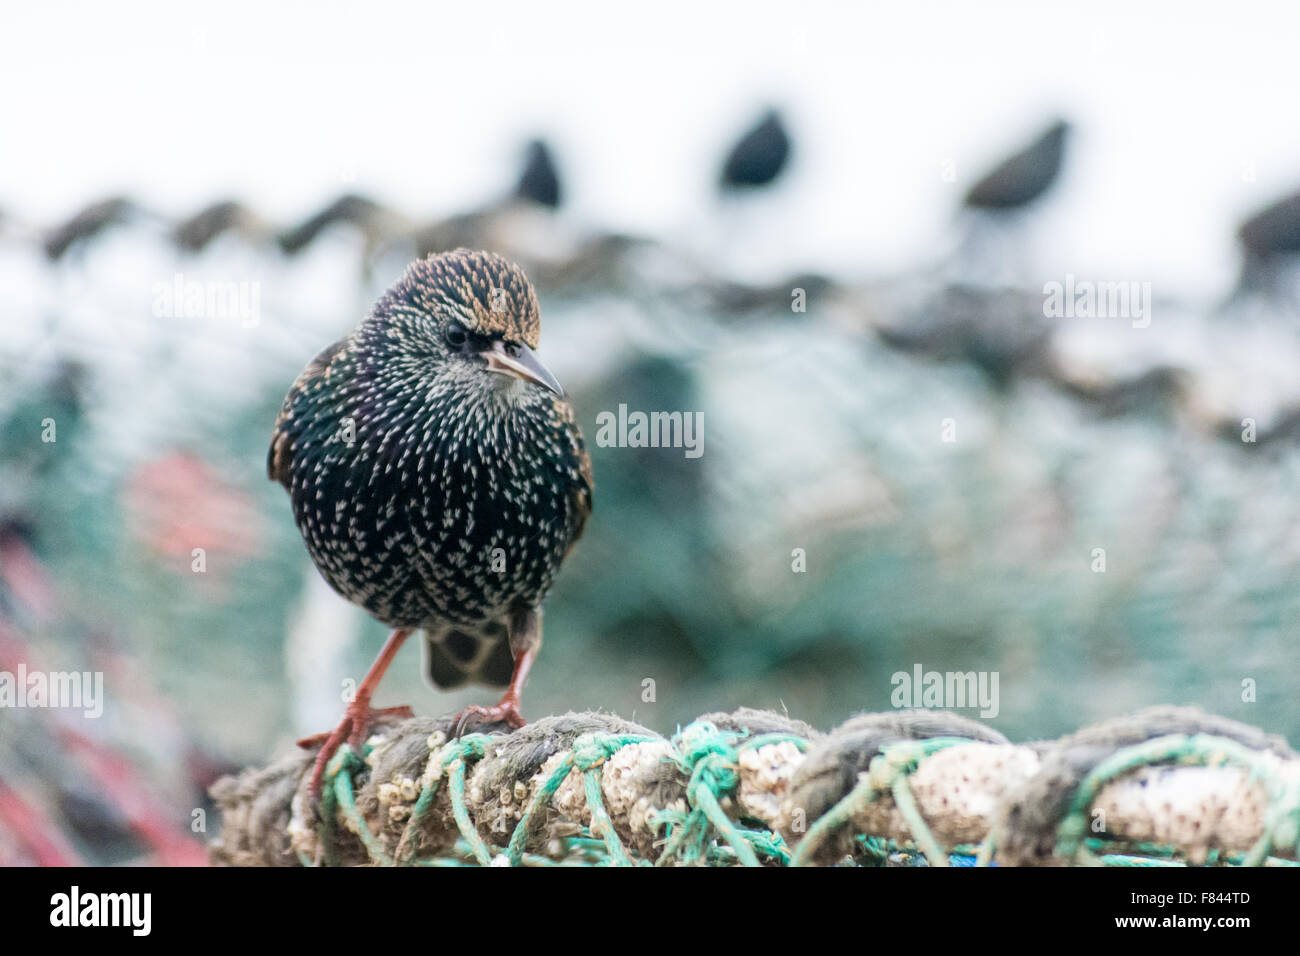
x=581, y=488
x=279, y=457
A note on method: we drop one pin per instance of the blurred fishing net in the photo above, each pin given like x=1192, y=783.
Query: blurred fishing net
x=1163, y=787
x=963, y=474
x=1116, y=504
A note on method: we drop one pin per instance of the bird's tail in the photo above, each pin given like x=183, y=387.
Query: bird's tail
x=454, y=656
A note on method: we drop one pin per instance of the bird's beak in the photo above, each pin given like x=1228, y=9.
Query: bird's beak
x=521, y=362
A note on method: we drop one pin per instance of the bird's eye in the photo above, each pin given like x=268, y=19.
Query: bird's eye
x=512, y=349
x=456, y=336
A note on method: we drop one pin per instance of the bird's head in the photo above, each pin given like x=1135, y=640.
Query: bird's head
x=463, y=319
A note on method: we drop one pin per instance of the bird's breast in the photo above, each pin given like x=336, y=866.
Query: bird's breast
x=453, y=518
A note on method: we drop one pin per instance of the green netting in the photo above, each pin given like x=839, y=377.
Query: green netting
x=710, y=831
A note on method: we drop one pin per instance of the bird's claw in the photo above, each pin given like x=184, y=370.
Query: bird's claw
x=357, y=720
x=506, y=712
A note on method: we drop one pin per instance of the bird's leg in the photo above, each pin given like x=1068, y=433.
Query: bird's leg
x=506, y=710
x=376, y=713
x=525, y=641
x=358, y=716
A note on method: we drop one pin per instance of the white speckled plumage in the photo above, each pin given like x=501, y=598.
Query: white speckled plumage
x=447, y=462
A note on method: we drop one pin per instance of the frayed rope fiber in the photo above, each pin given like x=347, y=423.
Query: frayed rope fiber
x=1163, y=787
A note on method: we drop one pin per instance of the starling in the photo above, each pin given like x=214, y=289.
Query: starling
x=1023, y=176
x=759, y=156
x=1270, y=240
x=438, y=477
x=1274, y=230
x=539, y=182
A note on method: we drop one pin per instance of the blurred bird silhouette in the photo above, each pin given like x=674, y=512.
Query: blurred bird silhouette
x=1023, y=176
x=1270, y=240
x=758, y=157
x=540, y=181
x=992, y=250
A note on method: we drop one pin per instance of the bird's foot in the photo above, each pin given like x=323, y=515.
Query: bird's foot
x=356, y=721
x=504, y=712
x=377, y=713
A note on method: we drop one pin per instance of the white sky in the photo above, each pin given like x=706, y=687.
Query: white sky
x=425, y=105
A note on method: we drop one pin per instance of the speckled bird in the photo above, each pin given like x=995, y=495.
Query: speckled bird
x=438, y=477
